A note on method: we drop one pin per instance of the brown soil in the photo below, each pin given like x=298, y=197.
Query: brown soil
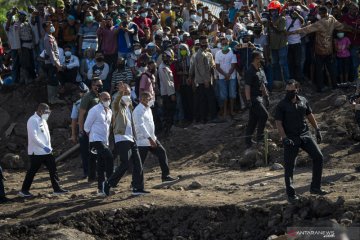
x=231, y=201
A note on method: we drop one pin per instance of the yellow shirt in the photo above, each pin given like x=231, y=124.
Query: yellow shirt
x=164, y=15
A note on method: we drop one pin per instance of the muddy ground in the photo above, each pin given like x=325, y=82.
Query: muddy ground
x=224, y=192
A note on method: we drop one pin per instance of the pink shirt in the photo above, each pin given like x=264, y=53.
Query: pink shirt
x=147, y=83
x=342, y=47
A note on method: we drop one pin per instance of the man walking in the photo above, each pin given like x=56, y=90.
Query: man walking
x=146, y=139
x=40, y=151
x=257, y=99
x=294, y=131
x=125, y=144
x=97, y=127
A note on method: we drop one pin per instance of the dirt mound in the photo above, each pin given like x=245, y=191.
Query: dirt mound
x=190, y=222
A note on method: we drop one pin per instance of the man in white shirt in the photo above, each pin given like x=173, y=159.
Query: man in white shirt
x=225, y=61
x=97, y=126
x=69, y=68
x=40, y=151
x=145, y=136
x=294, y=21
x=125, y=145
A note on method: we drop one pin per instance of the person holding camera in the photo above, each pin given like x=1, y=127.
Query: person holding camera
x=290, y=116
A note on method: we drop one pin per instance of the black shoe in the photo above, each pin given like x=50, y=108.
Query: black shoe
x=293, y=199
x=106, y=188
x=4, y=199
x=60, y=191
x=318, y=191
x=169, y=179
x=25, y=194
x=138, y=192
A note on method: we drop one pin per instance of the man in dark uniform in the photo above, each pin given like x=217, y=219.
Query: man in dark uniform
x=294, y=131
x=88, y=101
x=257, y=98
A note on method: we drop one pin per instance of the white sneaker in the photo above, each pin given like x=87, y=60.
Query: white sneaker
x=100, y=194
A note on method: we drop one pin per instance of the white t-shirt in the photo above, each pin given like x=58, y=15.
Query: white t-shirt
x=294, y=38
x=225, y=61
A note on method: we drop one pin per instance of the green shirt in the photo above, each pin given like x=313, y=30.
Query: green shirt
x=88, y=101
x=277, y=34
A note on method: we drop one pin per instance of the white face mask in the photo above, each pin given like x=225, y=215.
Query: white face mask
x=45, y=116
x=137, y=52
x=229, y=37
x=144, y=15
x=340, y=35
x=52, y=29
x=126, y=100
x=151, y=102
x=106, y=104
x=193, y=17
x=67, y=54
x=167, y=7
x=318, y=16
x=219, y=45
x=146, y=5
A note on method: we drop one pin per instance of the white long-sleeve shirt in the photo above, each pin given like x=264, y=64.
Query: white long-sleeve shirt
x=103, y=73
x=97, y=124
x=38, y=135
x=74, y=62
x=166, y=78
x=144, y=125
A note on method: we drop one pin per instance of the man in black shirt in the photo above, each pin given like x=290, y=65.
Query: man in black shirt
x=294, y=131
x=256, y=93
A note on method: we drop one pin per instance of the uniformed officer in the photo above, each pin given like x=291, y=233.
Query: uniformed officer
x=257, y=98
x=52, y=62
x=294, y=131
x=40, y=150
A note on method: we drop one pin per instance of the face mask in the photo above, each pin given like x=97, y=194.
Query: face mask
x=274, y=14
x=67, y=54
x=144, y=15
x=167, y=7
x=229, y=37
x=99, y=59
x=218, y=45
x=89, y=19
x=151, y=103
x=108, y=25
x=204, y=46
x=193, y=17
x=290, y=94
x=199, y=11
x=52, y=29
x=121, y=65
x=183, y=52
x=45, y=116
x=318, y=17
x=225, y=48
x=152, y=71
x=340, y=35
x=126, y=100
x=137, y=52
x=106, y=104
x=146, y=5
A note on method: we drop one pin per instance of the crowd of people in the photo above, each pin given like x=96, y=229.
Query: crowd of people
x=178, y=63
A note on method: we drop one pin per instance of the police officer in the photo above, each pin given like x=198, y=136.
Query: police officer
x=257, y=98
x=294, y=131
x=52, y=62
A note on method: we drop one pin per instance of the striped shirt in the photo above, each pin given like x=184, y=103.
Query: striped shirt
x=124, y=75
x=89, y=36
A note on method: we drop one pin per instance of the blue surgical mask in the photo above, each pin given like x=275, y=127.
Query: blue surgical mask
x=52, y=29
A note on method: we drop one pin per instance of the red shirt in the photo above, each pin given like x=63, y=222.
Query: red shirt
x=142, y=22
x=176, y=79
x=354, y=38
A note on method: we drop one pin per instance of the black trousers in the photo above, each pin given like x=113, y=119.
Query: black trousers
x=2, y=189
x=357, y=117
x=128, y=151
x=51, y=73
x=320, y=63
x=105, y=162
x=308, y=144
x=205, y=103
x=160, y=153
x=88, y=159
x=294, y=59
x=169, y=107
x=258, y=116
x=187, y=102
x=35, y=163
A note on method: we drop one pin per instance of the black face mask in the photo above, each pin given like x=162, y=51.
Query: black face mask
x=152, y=71
x=99, y=59
x=204, y=46
x=291, y=94
x=121, y=66
x=100, y=89
x=108, y=25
